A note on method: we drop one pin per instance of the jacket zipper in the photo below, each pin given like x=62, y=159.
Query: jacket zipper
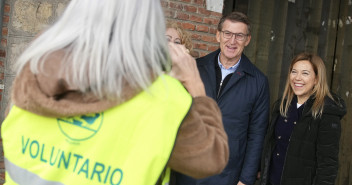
x=219, y=90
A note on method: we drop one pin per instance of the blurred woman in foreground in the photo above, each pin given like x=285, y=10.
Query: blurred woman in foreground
x=92, y=105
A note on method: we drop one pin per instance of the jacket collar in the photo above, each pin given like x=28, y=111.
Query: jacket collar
x=335, y=106
x=245, y=66
x=306, y=106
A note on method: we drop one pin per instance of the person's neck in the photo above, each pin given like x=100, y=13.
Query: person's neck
x=302, y=99
x=227, y=62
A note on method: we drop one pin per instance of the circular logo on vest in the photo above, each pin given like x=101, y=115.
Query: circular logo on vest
x=81, y=128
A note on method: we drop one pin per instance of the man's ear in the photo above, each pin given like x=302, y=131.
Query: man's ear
x=218, y=35
x=248, y=40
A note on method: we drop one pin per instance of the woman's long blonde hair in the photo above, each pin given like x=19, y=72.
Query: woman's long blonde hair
x=320, y=90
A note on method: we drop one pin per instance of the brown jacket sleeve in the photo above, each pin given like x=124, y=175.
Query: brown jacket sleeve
x=201, y=147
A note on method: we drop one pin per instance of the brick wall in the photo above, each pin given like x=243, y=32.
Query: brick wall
x=3, y=46
x=195, y=18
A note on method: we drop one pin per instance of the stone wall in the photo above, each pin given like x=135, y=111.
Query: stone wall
x=22, y=21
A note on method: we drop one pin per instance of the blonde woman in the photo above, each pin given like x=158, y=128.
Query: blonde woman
x=178, y=35
x=302, y=142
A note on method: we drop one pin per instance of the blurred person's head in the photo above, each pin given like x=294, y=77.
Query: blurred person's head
x=233, y=34
x=306, y=77
x=176, y=34
x=106, y=45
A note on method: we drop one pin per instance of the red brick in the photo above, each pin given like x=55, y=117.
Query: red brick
x=211, y=21
x=213, y=30
x=5, y=19
x=169, y=13
x=7, y=8
x=3, y=42
x=199, y=2
x=213, y=48
x=196, y=37
x=178, y=23
x=2, y=53
x=164, y=4
x=5, y=31
x=188, y=26
x=207, y=38
x=2, y=76
x=204, y=11
x=176, y=6
x=216, y=14
x=1, y=64
x=182, y=16
x=202, y=46
x=2, y=177
x=196, y=18
x=192, y=9
x=202, y=28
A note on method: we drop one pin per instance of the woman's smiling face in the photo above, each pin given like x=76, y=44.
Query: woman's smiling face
x=302, y=80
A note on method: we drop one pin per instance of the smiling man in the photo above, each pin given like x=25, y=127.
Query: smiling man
x=242, y=93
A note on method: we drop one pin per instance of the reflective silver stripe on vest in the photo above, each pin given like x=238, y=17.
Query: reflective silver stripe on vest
x=24, y=177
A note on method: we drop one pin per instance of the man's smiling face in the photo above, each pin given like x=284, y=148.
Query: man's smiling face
x=231, y=49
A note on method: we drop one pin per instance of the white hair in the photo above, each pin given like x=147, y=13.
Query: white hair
x=107, y=43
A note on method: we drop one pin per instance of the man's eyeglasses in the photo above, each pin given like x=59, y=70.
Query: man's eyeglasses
x=238, y=36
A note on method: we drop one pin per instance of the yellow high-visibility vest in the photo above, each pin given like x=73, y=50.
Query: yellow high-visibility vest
x=129, y=144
